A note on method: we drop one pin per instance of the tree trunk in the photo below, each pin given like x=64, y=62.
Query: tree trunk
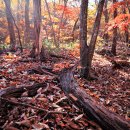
x=86, y=52
x=106, y=20
x=128, y=6
x=114, y=44
x=10, y=25
x=83, y=38
x=126, y=30
x=61, y=20
x=27, y=24
x=18, y=10
x=53, y=31
x=74, y=28
x=95, y=33
x=95, y=111
x=36, y=50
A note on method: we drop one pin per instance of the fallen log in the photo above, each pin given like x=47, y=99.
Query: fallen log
x=118, y=62
x=97, y=112
x=121, y=63
x=18, y=91
x=58, y=56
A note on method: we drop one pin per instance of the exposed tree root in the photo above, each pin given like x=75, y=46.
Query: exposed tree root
x=17, y=91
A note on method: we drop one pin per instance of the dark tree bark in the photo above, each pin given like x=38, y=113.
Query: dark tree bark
x=95, y=31
x=114, y=44
x=126, y=31
x=10, y=25
x=86, y=52
x=83, y=38
x=106, y=36
x=95, y=111
x=27, y=24
x=128, y=6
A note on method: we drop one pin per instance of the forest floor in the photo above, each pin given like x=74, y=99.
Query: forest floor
x=111, y=88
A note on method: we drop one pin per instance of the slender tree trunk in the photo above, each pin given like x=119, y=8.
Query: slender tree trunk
x=47, y=35
x=27, y=24
x=37, y=24
x=74, y=27
x=10, y=25
x=96, y=2
x=95, y=33
x=106, y=20
x=126, y=31
x=54, y=36
x=62, y=17
x=128, y=6
x=83, y=38
x=18, y=10
x=114, y=44
x=128, y=52
x=54, y=7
